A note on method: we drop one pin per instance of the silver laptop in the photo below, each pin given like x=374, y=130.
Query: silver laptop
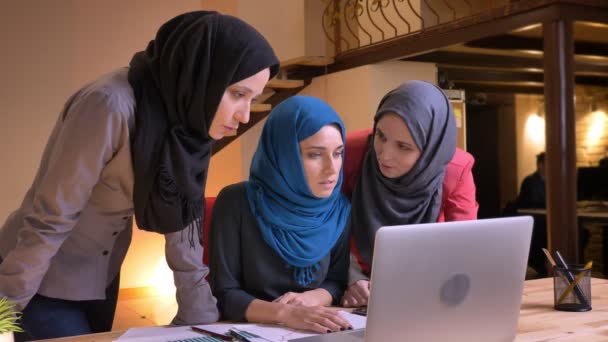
x=454, y=281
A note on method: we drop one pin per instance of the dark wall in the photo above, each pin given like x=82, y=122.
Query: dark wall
x=482, y=143
x=491, y=140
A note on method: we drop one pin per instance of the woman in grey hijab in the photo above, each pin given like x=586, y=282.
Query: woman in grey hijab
x=411, y=172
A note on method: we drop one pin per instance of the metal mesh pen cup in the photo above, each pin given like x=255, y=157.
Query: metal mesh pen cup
x=572, y=288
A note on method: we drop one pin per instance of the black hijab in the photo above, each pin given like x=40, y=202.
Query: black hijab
x=416, y=196
x=178, y=82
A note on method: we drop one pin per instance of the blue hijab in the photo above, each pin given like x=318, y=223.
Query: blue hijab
x=300, y=227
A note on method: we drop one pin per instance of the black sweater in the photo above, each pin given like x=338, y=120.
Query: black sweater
x=243, y=267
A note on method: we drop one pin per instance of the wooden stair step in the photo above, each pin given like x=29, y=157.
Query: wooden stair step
x=308, y=61
x=284, y=84
x=261, y=107
x=266, y=94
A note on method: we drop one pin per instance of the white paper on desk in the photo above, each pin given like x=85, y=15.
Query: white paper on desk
x=357, y=321
x=269, y=332
x=276, y=333
x=157, y=334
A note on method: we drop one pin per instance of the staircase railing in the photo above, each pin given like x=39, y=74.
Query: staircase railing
x=353, y=24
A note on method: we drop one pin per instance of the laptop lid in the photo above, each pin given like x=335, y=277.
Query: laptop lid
x=453, y=281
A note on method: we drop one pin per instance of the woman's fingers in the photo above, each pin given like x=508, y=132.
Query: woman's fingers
x=334, y=320
x=361, y=291
x=357, y=294
x=318, y=328
x=349, y=300
x=321, y=320
x=291, y=298
x=295, y=301
x=343, y=322
x=285, y=298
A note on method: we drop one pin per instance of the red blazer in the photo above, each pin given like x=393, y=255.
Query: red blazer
x=458, y=200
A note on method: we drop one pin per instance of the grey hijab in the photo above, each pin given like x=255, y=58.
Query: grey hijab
x=416, y=196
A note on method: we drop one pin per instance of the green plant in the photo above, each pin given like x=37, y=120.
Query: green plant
x=9, y=317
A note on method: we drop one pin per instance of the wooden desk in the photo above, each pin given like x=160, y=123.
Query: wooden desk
x=538, y=320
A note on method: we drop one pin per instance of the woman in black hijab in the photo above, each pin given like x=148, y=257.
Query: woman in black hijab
x=137, y=142
x=411, y=173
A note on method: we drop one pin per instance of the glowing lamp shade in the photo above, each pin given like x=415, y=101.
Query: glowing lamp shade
x=597, y=127
x=535, y=131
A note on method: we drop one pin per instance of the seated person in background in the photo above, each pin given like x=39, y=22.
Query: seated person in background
x=411, y=172
x=279, y=249
x=532, y=193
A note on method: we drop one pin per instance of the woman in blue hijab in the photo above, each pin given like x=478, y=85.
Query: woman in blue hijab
x=279, y=250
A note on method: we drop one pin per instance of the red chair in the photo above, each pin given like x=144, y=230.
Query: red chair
x=209, y=201
x=355, y=148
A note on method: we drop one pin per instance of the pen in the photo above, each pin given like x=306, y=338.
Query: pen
x=576, y=281
x=577, y=290
x=212, y=333
x=552, y=261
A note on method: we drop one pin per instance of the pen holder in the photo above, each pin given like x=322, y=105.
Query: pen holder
x=572, y=288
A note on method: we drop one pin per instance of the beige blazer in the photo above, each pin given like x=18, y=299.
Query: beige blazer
x=70, y=235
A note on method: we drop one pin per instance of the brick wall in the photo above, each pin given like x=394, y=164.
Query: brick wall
x=591, y=133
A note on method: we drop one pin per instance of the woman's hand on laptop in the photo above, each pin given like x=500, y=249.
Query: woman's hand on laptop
x=357, y=294
x=319, y=319
x=314, y=297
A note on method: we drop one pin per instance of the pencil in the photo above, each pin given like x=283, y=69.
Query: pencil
x=551, y=261
x=575, y=282
x=570, y=278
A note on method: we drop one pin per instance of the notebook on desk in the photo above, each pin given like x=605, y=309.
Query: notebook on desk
x=455, y=281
